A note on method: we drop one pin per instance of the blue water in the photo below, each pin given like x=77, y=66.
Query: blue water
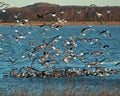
x=34, y=35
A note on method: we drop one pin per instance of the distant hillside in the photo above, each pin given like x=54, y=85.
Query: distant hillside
x=70, y=13
x=41, y=4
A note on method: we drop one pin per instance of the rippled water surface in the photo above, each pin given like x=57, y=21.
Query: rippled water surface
x=34, y=36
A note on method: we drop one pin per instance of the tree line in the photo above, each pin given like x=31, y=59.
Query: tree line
x=70, y=13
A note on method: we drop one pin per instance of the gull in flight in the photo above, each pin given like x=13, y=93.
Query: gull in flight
x=105, y=33
x=86, y=29
x=99, y=15
x=16, y=15
x=3, y=6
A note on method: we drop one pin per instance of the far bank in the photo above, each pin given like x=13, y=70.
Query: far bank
x=69, y=23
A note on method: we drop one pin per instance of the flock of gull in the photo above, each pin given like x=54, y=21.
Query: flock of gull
x=88, y=49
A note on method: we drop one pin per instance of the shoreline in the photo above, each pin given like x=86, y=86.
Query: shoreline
x=92, y=23
x=37, y=23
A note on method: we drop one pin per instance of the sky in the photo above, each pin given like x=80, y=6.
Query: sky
x=22, y=3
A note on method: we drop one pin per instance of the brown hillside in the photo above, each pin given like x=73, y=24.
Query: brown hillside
x=70, y=13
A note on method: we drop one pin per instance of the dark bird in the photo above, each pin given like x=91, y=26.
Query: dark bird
x=105, y=46
x=43, y=46
x=11, y=60
x=105, y=33
x=86, y=29
x=42, y=16
x=118, y=63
